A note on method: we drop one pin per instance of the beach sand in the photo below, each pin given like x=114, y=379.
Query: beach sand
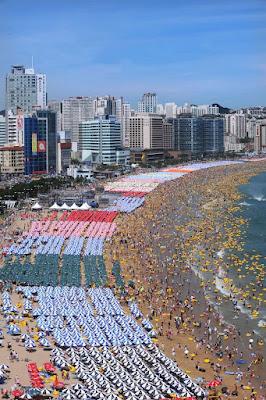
x=181, y=227
x=165, y=248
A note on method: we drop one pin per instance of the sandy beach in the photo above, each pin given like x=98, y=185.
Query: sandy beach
x=175, y=252
x=178, y=232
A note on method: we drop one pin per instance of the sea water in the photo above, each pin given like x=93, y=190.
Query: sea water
x=253, y=209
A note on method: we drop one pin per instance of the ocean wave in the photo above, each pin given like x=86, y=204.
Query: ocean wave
x=221, y=253
x=259, y=198
x=244, y=203
x=219, y=284
x=262, y=323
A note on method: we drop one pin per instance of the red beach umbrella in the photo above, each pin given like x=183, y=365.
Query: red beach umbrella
x=214, y=383
x=17, y=393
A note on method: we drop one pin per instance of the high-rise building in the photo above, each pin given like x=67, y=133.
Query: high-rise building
x=119, y=109
x=126, y=114
x=146, y=131
x=99, y=140
x=251, y=127
x=106, y=105
x=235, y=125
x=160, y=109
x=148, y=103
x=260, y=137
x=170, y=110
x=40, y=143
x=213, y=134
x=190, y=133
x=15, y=128
x=199, y=134
x=76, y=110
x=168, y=135
x=2, y=130
x=57, y=106
x=48, y=117
x=35, y=136
x=25, y=90
x=175, y=125
x=198, y=110
x=11, y=160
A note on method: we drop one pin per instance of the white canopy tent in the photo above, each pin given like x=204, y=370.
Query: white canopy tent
x=55, y=206
x=65, y=207
x=74, y=207
x=36, y=207
x=85, y=206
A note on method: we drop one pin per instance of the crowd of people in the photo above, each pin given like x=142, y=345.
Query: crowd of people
x=171, y=250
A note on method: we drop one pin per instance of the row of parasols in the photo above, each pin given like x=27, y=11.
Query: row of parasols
x=53, y=245
x=71, y=228
x=147, y=182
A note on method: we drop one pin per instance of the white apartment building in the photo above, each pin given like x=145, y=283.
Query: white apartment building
x=148, y=103
x=25, y=89
x=146, y=131
x=235, y=124
x=197, y=110
x=251, y=127
x=15, y=128
x=76, y=110
x=106, y=105
x=2, y=130
x=170, y=110
x=126, y=114
x=160, y=109
x=100, y=140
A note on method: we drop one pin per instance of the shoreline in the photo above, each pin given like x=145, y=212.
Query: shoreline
x=131, y=271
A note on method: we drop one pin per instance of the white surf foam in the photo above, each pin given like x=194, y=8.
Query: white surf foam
x=244, y=203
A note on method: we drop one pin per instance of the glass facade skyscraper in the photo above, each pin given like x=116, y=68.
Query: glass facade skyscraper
x=50, y=118
x=35, y=136
x=199, y=135
x=190, y=134
x=213, y=134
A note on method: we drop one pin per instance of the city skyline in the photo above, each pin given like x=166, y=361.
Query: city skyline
x=197, y=53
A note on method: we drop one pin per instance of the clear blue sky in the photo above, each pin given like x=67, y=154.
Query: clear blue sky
x=199, y=51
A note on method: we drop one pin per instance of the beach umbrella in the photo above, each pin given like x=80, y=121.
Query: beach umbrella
x=214, y=383
x=33, y=391
x=17, y=393
x=199, y=379
x=77, y=387
x=67, y=394
x=4, y=367
x=45, y=392
x=26, y=396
